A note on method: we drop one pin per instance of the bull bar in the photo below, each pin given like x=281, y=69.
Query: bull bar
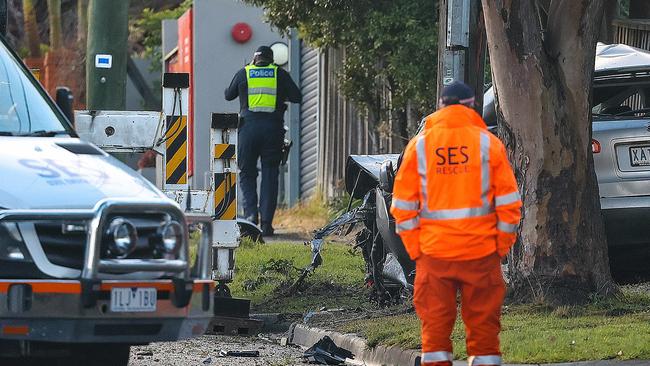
x=96, y=218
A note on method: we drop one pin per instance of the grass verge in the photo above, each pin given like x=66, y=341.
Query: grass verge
x=605, y=329
x=312, y=214
x=265, y=271
x=304, y=217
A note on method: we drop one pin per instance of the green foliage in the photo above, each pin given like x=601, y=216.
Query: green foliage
x=150, y=24
x=624, y=8
x=388, y=44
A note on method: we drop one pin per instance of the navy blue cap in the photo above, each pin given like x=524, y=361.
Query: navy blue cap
x=264, y=52
x=457, y=93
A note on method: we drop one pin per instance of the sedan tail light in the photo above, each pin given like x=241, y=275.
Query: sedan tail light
x=595, y=146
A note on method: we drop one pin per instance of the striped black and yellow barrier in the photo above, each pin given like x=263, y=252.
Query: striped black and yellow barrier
x=224, y=151
x=176, y=150
x=225, y=196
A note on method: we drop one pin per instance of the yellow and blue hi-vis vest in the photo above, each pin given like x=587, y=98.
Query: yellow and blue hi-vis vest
x=262, y=87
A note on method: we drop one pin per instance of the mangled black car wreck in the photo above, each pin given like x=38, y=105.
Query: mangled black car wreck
x=389, y=270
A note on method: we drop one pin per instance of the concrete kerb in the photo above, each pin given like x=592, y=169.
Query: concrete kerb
x=304, y=336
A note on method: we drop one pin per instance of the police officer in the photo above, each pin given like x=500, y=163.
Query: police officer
x=263, y=89
x=457, y=207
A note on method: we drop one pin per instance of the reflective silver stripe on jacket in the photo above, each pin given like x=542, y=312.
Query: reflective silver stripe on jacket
x=485, y=169
x=421, y=152
x=506, y=228
x=507, y=199
x=410, y=224
x=485, y=360
x=266, y=91
x=460, y=213
x=262, y=109
x=436, y=356
x=406, y=205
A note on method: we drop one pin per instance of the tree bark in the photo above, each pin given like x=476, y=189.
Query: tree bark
x=543, y=69
x=31, y=29
x=54, y=15
x=82, y=21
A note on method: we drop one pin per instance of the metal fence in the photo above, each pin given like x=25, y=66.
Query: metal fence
x=309, y=126
x=331, y=126
x=344, y=129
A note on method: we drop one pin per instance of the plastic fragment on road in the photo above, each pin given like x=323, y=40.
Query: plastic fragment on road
x=326, y=352
x=239, y=353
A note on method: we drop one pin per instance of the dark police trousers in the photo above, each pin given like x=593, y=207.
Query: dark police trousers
x=260, y=138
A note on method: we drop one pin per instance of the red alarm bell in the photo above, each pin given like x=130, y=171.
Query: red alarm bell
x=242, y=32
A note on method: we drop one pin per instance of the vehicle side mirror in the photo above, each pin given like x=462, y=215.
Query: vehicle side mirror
x=65, y=102
x=386, y=176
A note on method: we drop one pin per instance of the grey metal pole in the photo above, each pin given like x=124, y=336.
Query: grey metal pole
x=294, y=121
x=462, y=45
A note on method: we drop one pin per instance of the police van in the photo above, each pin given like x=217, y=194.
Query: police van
x=93, y=257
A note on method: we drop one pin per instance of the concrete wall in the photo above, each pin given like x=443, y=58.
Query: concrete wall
x=217, y=57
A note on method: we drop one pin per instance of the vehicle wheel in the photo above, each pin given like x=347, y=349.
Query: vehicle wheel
x=100, y=355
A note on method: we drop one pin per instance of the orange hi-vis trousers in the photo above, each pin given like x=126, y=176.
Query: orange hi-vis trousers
x=482, y=290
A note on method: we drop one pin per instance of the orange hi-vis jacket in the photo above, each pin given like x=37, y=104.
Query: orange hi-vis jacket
x=455, y=195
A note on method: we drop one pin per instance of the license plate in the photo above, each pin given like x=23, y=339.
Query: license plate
x=133, y=299
x=640, y=156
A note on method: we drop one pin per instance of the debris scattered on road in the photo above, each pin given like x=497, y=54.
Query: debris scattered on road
x=239, y=353
x=207, y=361
x=326, y=352
x=308, y=317
x=144, y=353
x=192, y=352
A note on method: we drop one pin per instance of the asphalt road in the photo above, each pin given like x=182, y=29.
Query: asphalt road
x=204, y=351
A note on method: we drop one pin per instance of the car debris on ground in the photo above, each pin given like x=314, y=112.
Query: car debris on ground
x=326, y=352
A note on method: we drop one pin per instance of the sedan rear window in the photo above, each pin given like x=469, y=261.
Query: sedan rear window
x=621, y=98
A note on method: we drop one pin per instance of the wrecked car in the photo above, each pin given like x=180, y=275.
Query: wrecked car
x=621, y=148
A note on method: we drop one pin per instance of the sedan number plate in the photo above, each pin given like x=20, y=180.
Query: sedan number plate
x=136, y=299
x=640, y=156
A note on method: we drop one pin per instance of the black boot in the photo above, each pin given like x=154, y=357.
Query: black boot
x=267, y=229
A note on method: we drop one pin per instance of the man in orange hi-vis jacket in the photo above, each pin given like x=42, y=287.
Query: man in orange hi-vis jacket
x=457, y=209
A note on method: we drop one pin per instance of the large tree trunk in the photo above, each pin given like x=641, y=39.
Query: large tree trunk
x=543, y=69
x=31, y=29
x=54, y=15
